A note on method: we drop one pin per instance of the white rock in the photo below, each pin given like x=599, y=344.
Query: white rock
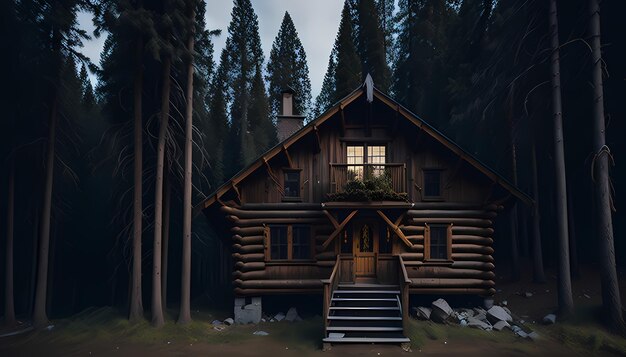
x=260, y=333
x=219, y=327
x=500, y=325
x=292, y=315
x=488, y=303
x=422, y=312
x=505, y=303
x=528, y=294
x=216, y=322
x=497, y=313
x=441, y=311
x=549, y=319
x=279, y=316
x=534, y=336
x=521, y=333
x=475, y=323
x=229, y=321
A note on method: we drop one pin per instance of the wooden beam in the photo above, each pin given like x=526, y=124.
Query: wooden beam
x=236, y=189
x=395, y=228
x=339, y=228
x=291, y=166
x=331, y=218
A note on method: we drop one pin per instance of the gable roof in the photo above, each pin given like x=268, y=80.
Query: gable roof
x=312, y=127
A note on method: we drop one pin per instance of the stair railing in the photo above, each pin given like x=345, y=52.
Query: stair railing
x=405, y=284
x=330, y=285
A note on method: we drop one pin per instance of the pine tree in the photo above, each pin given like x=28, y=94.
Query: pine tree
x=261, y=127
x=386, y=9
x=371, y=44
x=89, y=98
x=348, y=74
x=288, y=67
x=242, y=55
x=325, y=99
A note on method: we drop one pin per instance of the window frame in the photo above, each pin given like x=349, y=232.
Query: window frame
x=432, y=198
x=292, y=198
x=365, y=157
x=268, y=243
x=427, y=239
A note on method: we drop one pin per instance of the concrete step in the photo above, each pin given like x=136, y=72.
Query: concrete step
x=369, y=318
x=364, y=328
x=367, y=340
x=397, y=308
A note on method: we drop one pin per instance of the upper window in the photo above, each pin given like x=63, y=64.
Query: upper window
x=360, y=159
x=292, y=184
x=289, y=242
x=438, y=242
x=432, y=184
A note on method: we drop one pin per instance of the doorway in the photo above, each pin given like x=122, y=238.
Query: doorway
x=365, y=248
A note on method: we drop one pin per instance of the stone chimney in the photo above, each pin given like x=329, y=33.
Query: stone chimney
x=287, y=122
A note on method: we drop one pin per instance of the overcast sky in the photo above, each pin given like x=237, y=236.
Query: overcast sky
x=317, y=22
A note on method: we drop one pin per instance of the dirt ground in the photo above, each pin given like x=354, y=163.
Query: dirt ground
x=105, y=332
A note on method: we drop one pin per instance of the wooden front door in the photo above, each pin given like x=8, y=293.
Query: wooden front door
x=365, y=240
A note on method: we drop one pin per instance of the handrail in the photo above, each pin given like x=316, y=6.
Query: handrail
x=330, y=285
x=391, y=164
x=405, y=284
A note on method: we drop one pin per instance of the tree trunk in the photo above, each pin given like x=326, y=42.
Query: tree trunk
x=515, y=265
x=166, y=234
x=157, y=307
x=566, y=303
x=184, y=316
x=611, y=302
x=40, y=318
x=9, y=302
x=136, y=304
x=539, y=275
x=33, y=268
x=573, y=250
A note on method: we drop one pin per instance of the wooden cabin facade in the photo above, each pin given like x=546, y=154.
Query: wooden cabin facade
x=295, y=229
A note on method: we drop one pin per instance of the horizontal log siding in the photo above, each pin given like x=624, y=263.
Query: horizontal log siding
x=471, y=269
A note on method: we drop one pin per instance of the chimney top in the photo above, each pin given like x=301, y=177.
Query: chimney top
x=287, y=122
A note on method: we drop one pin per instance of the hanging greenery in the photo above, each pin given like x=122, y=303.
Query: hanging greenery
x=370, y=189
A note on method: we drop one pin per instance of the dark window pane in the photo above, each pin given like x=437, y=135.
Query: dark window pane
x=301, y=242
x=438, y=242
x=292, y=184
x=385, y=239
x=432, y=183
x=278, y=239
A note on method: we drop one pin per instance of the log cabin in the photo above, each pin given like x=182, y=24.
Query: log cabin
x=366, y=205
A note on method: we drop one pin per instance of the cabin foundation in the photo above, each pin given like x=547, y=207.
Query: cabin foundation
x=248, y=310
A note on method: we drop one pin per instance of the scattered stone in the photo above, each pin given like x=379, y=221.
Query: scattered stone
x=263, y=319
x=219, y=327
x=216, y=322
x=528, y=294
x=279, y=316
x=50, y=327
x=463, y=323
x=500, y=325
x=507, y=310
x=522, y=322
x=229, y=321
x=422, y=312
x=505, y=303
x=298, y=318
x=521, y=333
x=260, y=333
x=549, y=319
x=292, y=314
x=587, y=296
x=534, y=336
x=497, y=313
x=476, y=323
x=441, y=311
x=488, y=303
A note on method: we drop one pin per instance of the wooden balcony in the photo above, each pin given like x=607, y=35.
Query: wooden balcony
x=341, y=174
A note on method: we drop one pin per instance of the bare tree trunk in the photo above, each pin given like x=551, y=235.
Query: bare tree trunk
x=611, y=302
x=9, y=302
x=136, y=304
x=539, y=275
x=184, y=316
x=573, y=250
x=166, y=234
x=157, y=306
x=33, y=268
x=566, y=303
x=515, y=265
x=40, y=318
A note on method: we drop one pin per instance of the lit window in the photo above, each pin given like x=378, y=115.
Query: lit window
x=355, y=162
x=376, y=155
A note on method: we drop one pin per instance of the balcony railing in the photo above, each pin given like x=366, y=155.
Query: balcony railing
x=340, y=174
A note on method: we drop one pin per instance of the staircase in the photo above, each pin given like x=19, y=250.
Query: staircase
x=365, y=313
